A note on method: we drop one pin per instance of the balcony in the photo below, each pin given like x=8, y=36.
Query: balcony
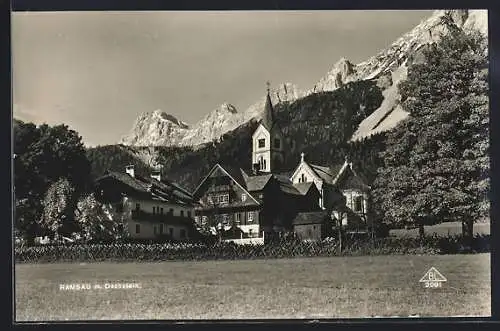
x=140, y=215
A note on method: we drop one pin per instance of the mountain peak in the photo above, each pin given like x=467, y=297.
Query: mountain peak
x=163, y=116
x=430, y=30
x=388, y=67
x=227, y=107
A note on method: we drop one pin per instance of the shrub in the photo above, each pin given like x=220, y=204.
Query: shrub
x=280, y=248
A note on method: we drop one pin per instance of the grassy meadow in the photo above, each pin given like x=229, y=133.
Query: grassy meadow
x=334, y=287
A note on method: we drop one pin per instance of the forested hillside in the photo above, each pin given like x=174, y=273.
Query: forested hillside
x=319, y=125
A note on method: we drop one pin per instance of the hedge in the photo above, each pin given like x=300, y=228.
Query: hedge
x=229, y=251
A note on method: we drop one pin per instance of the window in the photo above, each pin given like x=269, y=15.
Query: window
x=161, y=228
x=250, y=216
x=265, y=167
x=189, y=213
x=137, y=206
x=277, y=143
x=182, y=233
x=182, y=213
x=223, y=198
x=303, y=178
x=171, y=232
x=237, y=218
x=161, y=210
x=243, y=197
x=137, y=228
x=171, y=211
x=262, y=143
x=250, y=232
x=154, y=210
x=358, y=203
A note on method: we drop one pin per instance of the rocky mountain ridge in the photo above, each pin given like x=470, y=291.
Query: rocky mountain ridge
x=161, y=129
x=388, y=68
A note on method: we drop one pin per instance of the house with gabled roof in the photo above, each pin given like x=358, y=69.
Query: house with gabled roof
x=321, y=176
x=266, y=200
x=344, y=179
x=354, y=185
x=152, y=207
x=255, y=203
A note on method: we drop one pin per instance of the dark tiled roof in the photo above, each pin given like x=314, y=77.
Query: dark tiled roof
x=234, y=172
x=149, y=187
x=322, y=172
x=352, y=179
x=286, y=185
x=335, y=169
x=315, y=217
x=237, y=175
x=258, y=182
x=303, y=188
x=326, y=173
x=126, y=179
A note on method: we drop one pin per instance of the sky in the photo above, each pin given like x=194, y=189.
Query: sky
x=98, y=71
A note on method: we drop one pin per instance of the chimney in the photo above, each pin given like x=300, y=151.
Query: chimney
x=156, y=174
x=130, y=170
x=302, y=157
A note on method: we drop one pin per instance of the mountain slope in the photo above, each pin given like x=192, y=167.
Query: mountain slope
x=319, y=124
x=388, y=68
x=394, y=60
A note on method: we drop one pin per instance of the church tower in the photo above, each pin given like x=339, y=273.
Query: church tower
x=268, y=145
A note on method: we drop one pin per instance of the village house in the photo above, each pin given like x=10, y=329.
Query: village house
x=154, y=208
x=352, y=207
x=264, y=201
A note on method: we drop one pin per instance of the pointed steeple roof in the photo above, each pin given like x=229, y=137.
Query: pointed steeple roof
x=268, y=115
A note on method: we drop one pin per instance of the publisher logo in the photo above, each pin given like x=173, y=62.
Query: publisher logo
x=432, y=278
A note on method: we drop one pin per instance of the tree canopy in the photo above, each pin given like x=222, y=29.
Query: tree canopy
x=43, y=156
x=435, y=165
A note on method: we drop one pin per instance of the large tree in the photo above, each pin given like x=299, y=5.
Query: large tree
x=42, y=156
x=59, y=204
x=436, y=162
x=99, y=222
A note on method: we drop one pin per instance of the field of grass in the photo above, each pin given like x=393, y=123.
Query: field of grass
x=336, y=287
x=443, y=229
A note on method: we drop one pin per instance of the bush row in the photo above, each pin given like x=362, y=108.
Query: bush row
x=278, y=249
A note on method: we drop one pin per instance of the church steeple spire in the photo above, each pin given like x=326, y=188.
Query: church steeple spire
x=268, y=145
x=268, y=115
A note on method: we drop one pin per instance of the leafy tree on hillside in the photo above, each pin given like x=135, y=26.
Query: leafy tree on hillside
x=98, y=223
x=58, y=208
x=435, y=164
x=42, y=156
